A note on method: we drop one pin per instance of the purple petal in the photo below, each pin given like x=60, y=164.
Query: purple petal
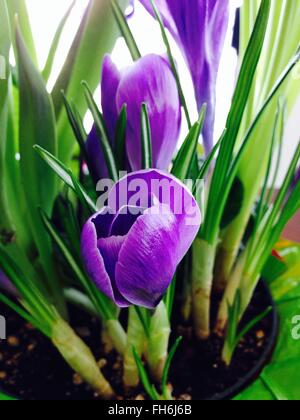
x=136, y=262
x=143, y=185
x=109, y=85
x=94, y=262
x=111, y=78
x=97, y=164
x=125, y=219
x=150, y=255
x=150, y=80
x=199, y=27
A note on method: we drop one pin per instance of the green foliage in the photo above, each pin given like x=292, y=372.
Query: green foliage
x=233, y=337
x=147, y=158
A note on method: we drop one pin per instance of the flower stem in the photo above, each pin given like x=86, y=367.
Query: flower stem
x=80, y=358
x=117, y=335
x=202, y=279
x=229, y=295
x=158, y=343
x=135, y=339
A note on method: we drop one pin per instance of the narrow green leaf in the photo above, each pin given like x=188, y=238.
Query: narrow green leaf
x=96, y=297
x=234, y=203
x=144, y=377
x=211, y=230
x=143, y=319
x=169, y=363
x=18, y=8
x=45, y=329
x=6, y=222
x=35, y=298
x=120, y=140
x=186, y=155
x=77, y=126
x=39, y=184
x=170, y=295
x=64, y=174
x=102, y=133
x=52, y=53
x=240, y=98
x=252, y=324
x=125, y=30
x=208, y=161
x=147, y=160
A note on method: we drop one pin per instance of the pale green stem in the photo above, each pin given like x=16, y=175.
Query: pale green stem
x=135, y=339
x=230, y=293
x=117, y=335
x=158, y=342
x=227, y=353
x=80, y=358
x=202, y=280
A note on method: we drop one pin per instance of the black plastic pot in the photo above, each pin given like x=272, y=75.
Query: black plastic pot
x=266, y=357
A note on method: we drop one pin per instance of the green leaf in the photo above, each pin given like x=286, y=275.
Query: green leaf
x=168, y=364
x=18, y=8
x=96, y=36
x=120, y=140
x=125, y=30
x=37, y=126
x=52, y=53
x=240, y=98
x=149, y=388
x=252, y=324
x=6, y=223
x=77, y=126
x=45, y=329
x=102, y=133
x=186, y=155
x=99, y=300
x=64, y=174
x=39, y=184
x=234, y=203
x=147, y=160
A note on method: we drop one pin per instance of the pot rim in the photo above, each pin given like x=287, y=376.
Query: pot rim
x=263, y=361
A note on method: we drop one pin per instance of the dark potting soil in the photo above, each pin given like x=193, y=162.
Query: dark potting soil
x=32, y=369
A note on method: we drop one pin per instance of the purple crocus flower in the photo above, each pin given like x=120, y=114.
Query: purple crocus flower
x=6, y=285
x=199, y=27
x=149, y=80
x=131, y=248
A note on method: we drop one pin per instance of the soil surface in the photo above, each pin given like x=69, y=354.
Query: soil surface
x=32, y=369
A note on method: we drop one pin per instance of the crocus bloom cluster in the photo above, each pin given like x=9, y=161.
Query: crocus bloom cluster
x=131, y=248
x=151, y=81
x=199, y=27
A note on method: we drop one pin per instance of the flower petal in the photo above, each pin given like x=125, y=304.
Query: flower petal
x=94, y=262
x=111, y=78
x=109, y=85
x=148, y=259
x=199, y=27
x=138, y=189
x=151, y=81
x=125, y=219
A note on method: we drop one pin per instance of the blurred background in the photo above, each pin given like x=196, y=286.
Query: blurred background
x=45, y=16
